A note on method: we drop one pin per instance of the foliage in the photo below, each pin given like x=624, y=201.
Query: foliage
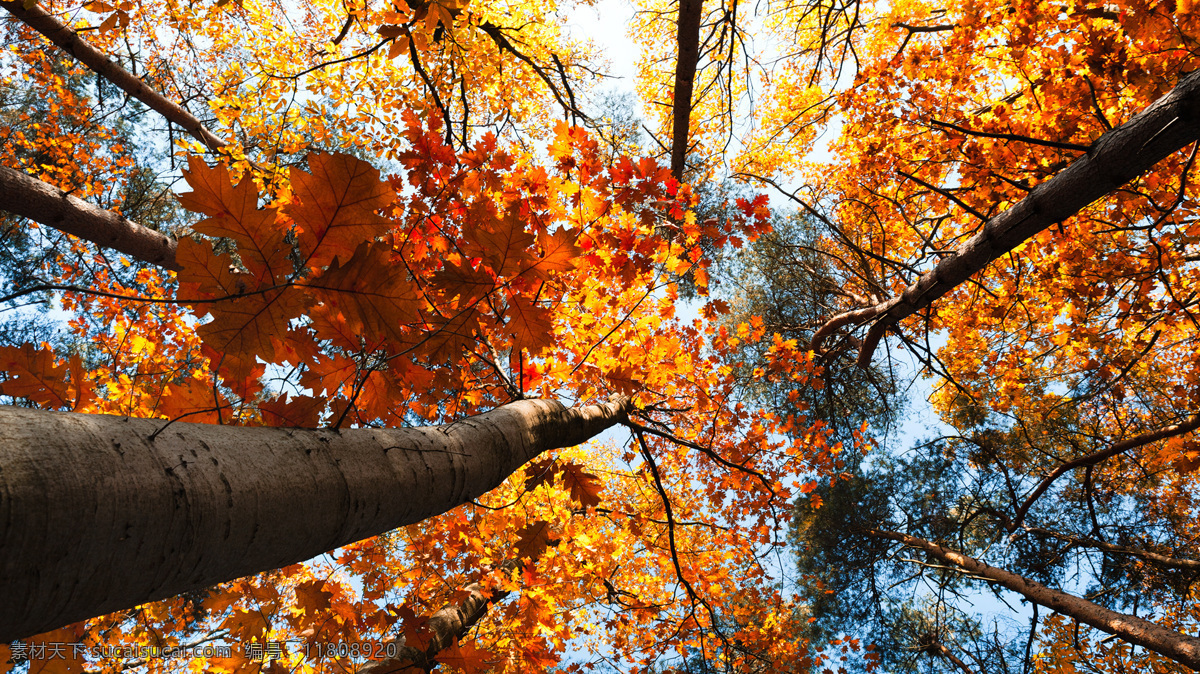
x=400, y=229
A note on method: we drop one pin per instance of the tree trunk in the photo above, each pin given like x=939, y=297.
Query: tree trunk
x=1117, y=157
x=1164, y=641
x=688, y=38
x=45, y=204
x=451, y=622
x=101, y=513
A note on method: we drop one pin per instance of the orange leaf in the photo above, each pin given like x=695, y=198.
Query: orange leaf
x=337, y=207
x=585, y=487
x=36, y=375
x=233, y=212
x=529, y=324
x=292, y=411
x=533, y=539
x=366, y=297
x=312, y=597
x=469, y=658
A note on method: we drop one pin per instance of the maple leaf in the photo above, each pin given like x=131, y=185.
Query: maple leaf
x=463, y=282
x=243, y=326
x=559, y=252
x=504, y=245
x=533, y=539
x=193, y=400
x=469, y=658
x=233, y=212
x=293, y=411
x=585, y=487
x=622, y=378
x=312, y=597
x=246, y=625
x=368, y=297
x=37, y=375
x=529, y=324
x=336, y=207
x=540, y=472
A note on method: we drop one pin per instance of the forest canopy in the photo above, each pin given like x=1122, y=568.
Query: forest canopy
x=404, y=336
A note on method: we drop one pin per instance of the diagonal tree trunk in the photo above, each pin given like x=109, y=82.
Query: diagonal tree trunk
x=69, y=41
x=1162, y=640
x=1117, y=157
x=45, y=204
x=688, y=38
x=451, y=622
x=100, y=513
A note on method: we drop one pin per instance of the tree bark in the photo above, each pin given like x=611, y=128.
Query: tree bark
x=1164, y=641
x=45, y=204
x=101, y=513
x=451, y=622
x=688, y=38
x=1117, y=157
x=69, y=41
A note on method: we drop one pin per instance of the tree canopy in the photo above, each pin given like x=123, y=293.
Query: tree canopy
x=398, y=308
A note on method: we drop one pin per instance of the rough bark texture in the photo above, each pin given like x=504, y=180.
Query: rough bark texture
x=1117, y=157
x=101, y=513
x=688, y=37
x=1166, y=642
x=46, y=204
x=67, y=39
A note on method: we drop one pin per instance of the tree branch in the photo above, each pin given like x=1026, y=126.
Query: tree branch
x=69, y=41
x=1151, y=636
x=1096, y=457
x=1117, y=157
x=688, y=37
x=28, y=197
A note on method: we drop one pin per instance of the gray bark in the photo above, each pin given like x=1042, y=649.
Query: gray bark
x=45, y=204
x=69, y=41
x=101, y=513
x=1117, y=157
x=1167, y=642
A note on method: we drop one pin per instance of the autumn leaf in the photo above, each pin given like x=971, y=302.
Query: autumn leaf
x=336, y=207
x=529, y=324
x=312, y=597
x=559, y=252
x=367, y=296
x=233, y=212
x=292, y=411
x=533, y=539
x=37, y=375
x=584, y=487
x=468, y=658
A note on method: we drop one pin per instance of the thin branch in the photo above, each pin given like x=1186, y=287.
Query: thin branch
x=1012, y=136
x=1096, y=457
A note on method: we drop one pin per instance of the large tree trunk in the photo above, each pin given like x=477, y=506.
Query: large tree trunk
x=101, y=513
x=1117, y=157
x=45, y=204
x=1164, y=641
